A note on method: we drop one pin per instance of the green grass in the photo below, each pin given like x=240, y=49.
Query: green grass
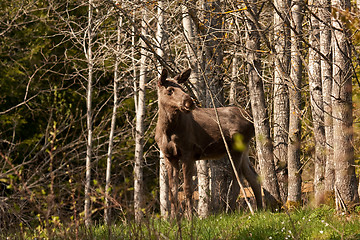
x=321, y=223
x=311, y=224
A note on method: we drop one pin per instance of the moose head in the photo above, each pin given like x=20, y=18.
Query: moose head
x=171, y=95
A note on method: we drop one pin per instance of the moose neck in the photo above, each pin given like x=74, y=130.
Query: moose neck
x=169, y=119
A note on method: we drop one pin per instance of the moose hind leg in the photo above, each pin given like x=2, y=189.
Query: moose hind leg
x=252, y=177
x=235, y=188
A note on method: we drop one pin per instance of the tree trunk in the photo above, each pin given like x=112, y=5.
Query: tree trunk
x=192, y=54
x=258, y=105
x=220, y=174
x=203, y=188
x=233, y=83
x=326, y=79
x=294, y=179
x=195, y=79
x=236, y=64
x=107, y=210
x=316, y=102
x=163, y=174
x=133, y=43
x=345, y=178
x=89, y=116
x=281, y=98
x=164, y=188
x=214, y=50
x=139, y=135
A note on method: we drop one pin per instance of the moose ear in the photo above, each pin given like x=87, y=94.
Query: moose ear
x=163, y=77
x=184, y=76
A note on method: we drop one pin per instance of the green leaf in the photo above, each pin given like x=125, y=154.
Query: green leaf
x=238, y=142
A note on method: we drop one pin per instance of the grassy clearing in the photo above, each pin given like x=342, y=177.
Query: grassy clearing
x=321, y=223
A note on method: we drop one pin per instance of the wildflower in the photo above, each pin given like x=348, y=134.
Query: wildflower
x=270, y=237
x=321, y=231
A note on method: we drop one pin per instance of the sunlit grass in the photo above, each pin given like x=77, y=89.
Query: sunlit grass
x=323, y=223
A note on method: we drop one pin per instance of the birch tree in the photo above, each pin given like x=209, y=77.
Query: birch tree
x=89, y=115
x=316, y=102
x=163, y=174
x=294, y=180
x=107, y=210
x=264, y=145
x=345, y=178
x=326, y=80
x=195, y=79
x=281, y=98
x=139, y=131
x=213, y=37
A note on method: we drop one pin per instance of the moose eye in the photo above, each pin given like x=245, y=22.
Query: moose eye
x=170, y=91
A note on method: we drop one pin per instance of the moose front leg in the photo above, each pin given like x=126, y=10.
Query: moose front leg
x=173, y=174
x=188, y=171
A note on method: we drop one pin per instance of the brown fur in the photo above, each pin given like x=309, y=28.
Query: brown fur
x=186, y=133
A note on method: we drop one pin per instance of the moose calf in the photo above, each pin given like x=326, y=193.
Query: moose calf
x=186, y=133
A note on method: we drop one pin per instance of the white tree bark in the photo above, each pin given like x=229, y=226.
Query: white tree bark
x=294, y=187
x=107, y=210
x=264, y=145
x=89, y=116
x=133, y=43
x=203, y=188
x=139, y=133
x=163, y=174
x=220, y=169
x=326, y=79
x=233, y=83
x=281, y=98
x=345, y=178
x=317, y=107
x=195, y=79
x=164, y=188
